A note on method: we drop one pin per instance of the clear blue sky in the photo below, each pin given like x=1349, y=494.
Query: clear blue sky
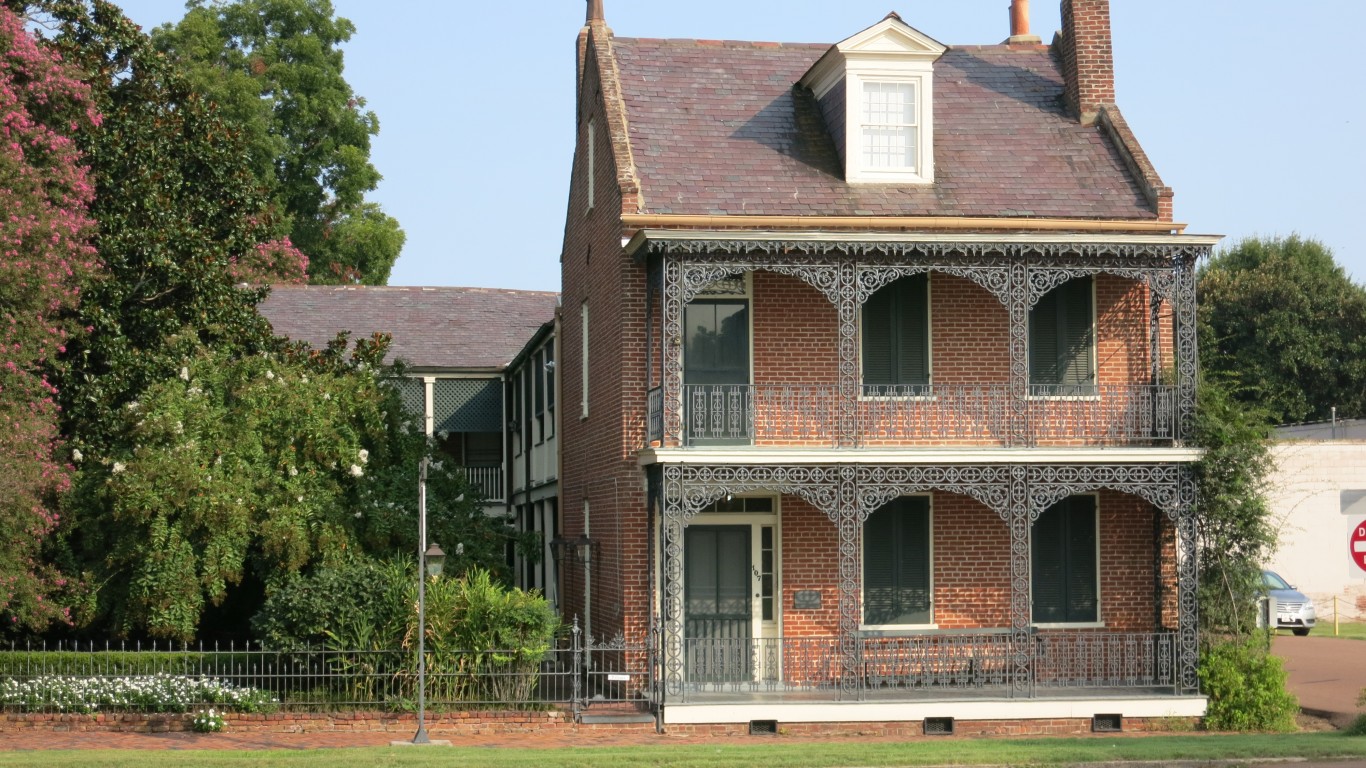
x=1252, y=110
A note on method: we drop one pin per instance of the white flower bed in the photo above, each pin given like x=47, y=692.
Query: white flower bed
x=149, y=693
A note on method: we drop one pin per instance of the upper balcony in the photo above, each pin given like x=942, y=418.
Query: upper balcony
x=1008, y=342
x=967, y=415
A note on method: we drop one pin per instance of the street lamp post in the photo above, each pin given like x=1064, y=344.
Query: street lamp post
x=430, y=560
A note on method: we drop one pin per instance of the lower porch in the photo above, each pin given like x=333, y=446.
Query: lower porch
x=853, y=593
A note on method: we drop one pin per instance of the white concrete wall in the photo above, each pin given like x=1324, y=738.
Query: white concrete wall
x=1305, y=494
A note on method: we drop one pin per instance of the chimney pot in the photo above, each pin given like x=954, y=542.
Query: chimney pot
x=1019, y=24
x=595, y=11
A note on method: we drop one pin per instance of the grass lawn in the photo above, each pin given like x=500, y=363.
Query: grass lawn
x=1353, y=630
x=770, y=753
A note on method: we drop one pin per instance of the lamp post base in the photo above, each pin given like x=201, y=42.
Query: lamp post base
x=420, y=739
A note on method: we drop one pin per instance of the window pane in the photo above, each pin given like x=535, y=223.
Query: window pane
x=889, y=125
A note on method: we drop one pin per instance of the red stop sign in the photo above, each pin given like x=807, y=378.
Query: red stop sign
x=1359, y=545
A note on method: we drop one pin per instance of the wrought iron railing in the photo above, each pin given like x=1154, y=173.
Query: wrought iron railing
x=112, y=677
x=489, y=481
x=942, y=414
x=942, y=664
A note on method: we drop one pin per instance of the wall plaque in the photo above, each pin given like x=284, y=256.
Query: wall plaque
x=806, y=600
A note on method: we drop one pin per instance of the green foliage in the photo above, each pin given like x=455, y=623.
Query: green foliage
x=120, y=663
x=1246, y=688
x=1234, y=535
x=176, y=205
x=484, y=641
x=275, y=69
x=1284, y=321
x=353, y=603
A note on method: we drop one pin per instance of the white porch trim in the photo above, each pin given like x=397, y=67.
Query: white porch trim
x=758, y=456
x=1000, y=709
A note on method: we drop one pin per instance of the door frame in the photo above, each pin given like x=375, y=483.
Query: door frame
x=759, y=629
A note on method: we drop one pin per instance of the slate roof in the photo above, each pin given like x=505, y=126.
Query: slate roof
x=469, y=328
x=720, y=128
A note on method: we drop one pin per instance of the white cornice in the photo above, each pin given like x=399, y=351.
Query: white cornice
x=819, y=236
x=751, y=456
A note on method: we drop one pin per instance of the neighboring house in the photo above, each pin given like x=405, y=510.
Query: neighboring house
x=878, y=361
x=1317, y=495
x=534, y=470
x=464, y=351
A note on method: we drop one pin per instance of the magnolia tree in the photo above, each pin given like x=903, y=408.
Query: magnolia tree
x=45, y=257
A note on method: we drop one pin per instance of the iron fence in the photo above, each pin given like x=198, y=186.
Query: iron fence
x=967, y=414
x=935, y=663
x=87, y=677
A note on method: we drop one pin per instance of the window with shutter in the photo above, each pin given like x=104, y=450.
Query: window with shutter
x=896, y=338
x=1062, y=341
x=1063, y=567
x=896, y=563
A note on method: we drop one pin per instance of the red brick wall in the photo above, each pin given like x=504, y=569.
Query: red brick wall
x=971, y=561
x=597, y=452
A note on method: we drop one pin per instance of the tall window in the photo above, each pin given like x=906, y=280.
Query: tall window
x=1062, y=341
x=1063, y=563
x=896, y=345
x=592, y=173
x=896, y=563
x=890, y=126
x=583, y=360
x=549, y=353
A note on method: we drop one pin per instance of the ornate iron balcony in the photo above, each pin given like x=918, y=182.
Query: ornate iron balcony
x=972, y=415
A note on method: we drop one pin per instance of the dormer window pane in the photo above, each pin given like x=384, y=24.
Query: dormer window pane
x=889, y=125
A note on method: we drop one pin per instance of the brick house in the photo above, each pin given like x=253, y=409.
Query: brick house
x=877, y=364
x=478, y=371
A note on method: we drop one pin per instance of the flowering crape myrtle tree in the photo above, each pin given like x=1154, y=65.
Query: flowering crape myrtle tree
x=45, y=257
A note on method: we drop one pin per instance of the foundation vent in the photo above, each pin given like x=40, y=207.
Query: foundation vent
x=939, y=726
x=1107, y=724
x=763, y=727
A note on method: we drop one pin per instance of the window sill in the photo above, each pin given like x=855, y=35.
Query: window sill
x=1065, y=398
x=1070, y=625
x=893, y=630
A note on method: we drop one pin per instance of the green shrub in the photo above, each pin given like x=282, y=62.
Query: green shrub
x=1246, y=688
x=484, y=641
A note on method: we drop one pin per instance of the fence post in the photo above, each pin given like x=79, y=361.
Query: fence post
x=576, y=696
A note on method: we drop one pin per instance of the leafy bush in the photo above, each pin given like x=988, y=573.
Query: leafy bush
x=152, y=693
x=1246, y=688
x=122, y=663
x=484, y=641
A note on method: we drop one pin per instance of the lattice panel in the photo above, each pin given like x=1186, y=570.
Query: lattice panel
x=467, y=405
x=413, y=394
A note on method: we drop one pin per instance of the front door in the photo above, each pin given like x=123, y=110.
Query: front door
x=718, y=614
x=717, y=400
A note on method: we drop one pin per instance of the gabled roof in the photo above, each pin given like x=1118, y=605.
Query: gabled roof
x=721, y=128
x=433, y=328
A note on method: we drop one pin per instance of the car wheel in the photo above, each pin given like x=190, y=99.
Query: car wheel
x=1301, y=632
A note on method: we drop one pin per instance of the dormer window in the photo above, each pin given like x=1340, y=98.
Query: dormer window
x=890, y=128
x=876, y=91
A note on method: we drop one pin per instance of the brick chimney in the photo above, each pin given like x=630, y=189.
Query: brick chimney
x=1088, y=62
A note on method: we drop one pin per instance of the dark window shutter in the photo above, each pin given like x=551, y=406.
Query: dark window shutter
x=896, y=334
x=1063, y=562
x=1062, y=338
x=1076, y=362
x=896, y=563
x=877, y=340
